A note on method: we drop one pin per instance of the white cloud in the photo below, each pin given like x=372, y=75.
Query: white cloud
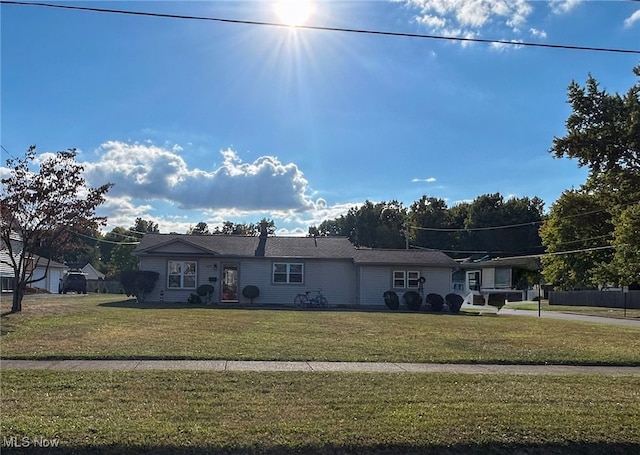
x=428, y=180
x=156, y=184
x=152, y=173
x=631, y=20
x=538, y=33
x=563, y=6
x=470, y=15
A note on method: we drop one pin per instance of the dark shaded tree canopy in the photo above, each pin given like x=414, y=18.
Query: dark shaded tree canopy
x=603, y=134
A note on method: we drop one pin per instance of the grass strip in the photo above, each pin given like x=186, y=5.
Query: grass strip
x=248, y=412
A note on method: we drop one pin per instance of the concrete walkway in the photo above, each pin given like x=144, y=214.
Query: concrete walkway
x=236, y=365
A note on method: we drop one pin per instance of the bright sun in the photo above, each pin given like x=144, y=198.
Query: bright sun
x=293, y=12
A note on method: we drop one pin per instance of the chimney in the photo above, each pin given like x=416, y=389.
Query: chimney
x=263, y=230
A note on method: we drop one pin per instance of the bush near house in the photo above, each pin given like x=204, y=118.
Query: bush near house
x=138, y=283
x=454, y=301
x=413, y=300
x=435, y=301
x=251, y=292
x=391, y=300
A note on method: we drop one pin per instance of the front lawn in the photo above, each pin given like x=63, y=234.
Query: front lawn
x=294, y=412
x=108, y=327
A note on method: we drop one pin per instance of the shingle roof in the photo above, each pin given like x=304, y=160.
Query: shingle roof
x=291, y=247
x=241, y=246
x=387, y=257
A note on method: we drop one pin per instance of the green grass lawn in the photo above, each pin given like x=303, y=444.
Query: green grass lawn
x=107, y=327
x=228, y=412
x=240, y=412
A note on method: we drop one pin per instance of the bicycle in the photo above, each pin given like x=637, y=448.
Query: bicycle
x=305, y=301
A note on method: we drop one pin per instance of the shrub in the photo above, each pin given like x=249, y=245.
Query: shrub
x=138, y=283
x=251, y=292
x=206, y=291
x=413, y=300
x=391, y=300
x=454, y=301
x=435, y=301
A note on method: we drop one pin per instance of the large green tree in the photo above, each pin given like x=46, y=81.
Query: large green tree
x=504, y=227
x=430, y=220
x=120, y=243
x=372, y=225
x=45, y=202
x=576, y=234
x=603, y=134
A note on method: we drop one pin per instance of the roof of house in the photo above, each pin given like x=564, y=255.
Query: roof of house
x=92, y=273
x=531, y=263
x=42, y=262
x=243, y=246
x=286, y=247
x=390, y=257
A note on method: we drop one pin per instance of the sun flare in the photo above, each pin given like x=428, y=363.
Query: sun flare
x=293, y=12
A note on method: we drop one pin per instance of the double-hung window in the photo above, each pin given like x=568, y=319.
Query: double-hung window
x=182, y=275
x=288, y=272
x=406, y=279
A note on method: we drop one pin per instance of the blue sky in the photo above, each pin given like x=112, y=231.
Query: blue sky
x=208, y=121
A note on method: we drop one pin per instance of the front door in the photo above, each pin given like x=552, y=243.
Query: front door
x=473, y=281
x=230, y=283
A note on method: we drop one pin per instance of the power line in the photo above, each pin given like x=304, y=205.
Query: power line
x=8, y=152
x=326, y=29
x=508, y=226
x=104, y=241
x=488, y=228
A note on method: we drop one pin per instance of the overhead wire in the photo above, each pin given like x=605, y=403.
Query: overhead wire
x=334, y=29
x=324, y=28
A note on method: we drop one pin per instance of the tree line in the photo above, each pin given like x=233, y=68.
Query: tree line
x=489, y=225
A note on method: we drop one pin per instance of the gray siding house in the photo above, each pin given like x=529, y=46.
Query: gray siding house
x=282, y=267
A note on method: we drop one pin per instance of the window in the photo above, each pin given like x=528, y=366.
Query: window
x=7, y=283
x=291, y=273
x=503, y=278
x=406, y=279
x=182, y=274
x=413, y=279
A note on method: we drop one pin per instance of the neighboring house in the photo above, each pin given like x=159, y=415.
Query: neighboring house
x=492, y=277
x=6, y=271
x=282, y=267
x=95, y=279
x=92, y=273
x=48, y=280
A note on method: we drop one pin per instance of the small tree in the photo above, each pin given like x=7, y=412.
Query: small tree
x=44, y=209
x=138, y=283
